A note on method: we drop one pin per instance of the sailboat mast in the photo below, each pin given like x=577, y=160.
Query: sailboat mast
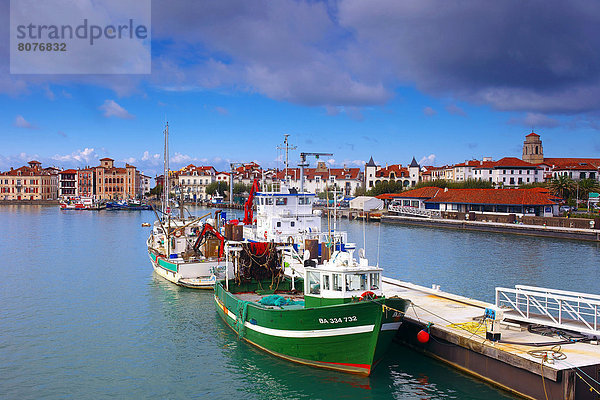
x=165, y=204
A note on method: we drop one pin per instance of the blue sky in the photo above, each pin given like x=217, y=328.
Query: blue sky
x=440, y=81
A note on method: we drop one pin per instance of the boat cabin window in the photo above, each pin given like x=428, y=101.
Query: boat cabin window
x=374, y=280
x=270, y=201
x=281, y=201
x=292, y=223
x=262, y=201
x=326, y=282
x=279, y=224
x=314, y=283
x=303, y=200
x=337, y=282
x=356, y=282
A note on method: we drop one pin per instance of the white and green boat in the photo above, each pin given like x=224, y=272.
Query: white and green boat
x=336, y=318
x=186, y=251
x=182, y=252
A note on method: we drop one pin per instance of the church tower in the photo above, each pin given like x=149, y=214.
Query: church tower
x=533, y=152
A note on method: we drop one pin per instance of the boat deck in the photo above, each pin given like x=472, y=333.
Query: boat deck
x=459, y=337
x=255, y=298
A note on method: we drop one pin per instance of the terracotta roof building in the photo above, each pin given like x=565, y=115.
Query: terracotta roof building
x=29, y=183
x=537, y=201
x=574, y=168
x=114, y=183
x=318, y=179
x=407, y=176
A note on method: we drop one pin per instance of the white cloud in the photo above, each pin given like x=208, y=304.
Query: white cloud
x=112, y=109
x=84, y=156
x=179, y=158
x=21, y=122
x=428, y=160
x=129, y=160
x=154, y=159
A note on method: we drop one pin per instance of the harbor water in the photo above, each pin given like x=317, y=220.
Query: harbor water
x=84, y=316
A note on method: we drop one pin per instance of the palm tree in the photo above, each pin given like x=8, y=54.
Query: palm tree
x=587, y=186
x=561, y=186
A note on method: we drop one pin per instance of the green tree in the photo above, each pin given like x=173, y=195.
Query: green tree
x=156, y=191
x=587, y=186
x=468, y=184
x=217, y=187
x=385, y=187
x=561, y=186
x=240, y=188
x=359, y=191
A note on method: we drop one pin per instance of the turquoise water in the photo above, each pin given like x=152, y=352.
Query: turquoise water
x=84, y=316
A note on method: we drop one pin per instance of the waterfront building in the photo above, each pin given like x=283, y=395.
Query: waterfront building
x=222, y=177
x=246, y=173
x=29, y=183
x=67, y=183
x=193, y=180
x=316, y=180
x=464, y=171
x=508, y=172
x=86, y=182
x=408, y=176
x=553, y=167
x=113, y=183
x=145, y=184
x=537, y=201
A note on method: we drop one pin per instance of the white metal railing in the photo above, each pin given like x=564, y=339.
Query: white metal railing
x=557, y=308
x=414, y=211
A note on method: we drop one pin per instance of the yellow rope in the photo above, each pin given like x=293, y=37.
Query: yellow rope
x=543, y=381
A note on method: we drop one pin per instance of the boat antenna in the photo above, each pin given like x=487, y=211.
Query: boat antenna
x=378, y=241
x=165, y=196
x=286, y=146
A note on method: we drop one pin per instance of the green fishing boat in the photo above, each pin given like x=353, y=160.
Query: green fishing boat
x=335, y=318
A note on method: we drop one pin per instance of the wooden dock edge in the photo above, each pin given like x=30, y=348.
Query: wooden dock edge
x=487, y=362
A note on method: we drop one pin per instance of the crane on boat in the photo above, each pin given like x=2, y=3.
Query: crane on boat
x=248, y=213
x=303, y=164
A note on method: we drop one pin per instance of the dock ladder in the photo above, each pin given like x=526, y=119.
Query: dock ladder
x=562, y=309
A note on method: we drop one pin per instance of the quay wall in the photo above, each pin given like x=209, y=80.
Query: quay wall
x=499, y=227
x=28, y=202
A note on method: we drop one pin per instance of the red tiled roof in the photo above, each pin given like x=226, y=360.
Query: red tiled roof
x=537, y=196
x=573, y=163
x=533, y=134
x=398, y=170
x=25, y=171
x=426, y=192
x=106, y=159
x=505, y=162
x=68, y=171
x=470, y=163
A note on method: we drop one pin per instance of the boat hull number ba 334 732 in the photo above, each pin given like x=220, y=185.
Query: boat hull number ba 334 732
x=337, y=320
